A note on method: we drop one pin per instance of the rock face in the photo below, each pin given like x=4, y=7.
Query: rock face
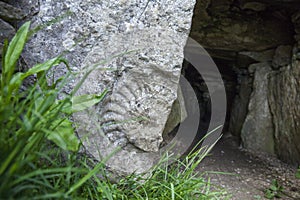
x=10, y=13
x=240, y=105
x=13, y=13
x=218, y=25
x=142, y=83
x=284, y=95
x=7, y=30
x=257, y=131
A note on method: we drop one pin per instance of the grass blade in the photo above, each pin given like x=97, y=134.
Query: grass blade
x=15, y=49
x=92, y=172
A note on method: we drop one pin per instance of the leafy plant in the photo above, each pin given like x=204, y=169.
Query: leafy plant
x=29, y=117
x=274, y=191
x=178, y=181
x=257, y=197
x=298, y=173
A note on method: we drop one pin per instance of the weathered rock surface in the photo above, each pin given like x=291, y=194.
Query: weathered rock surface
x=217, y=26
x=257, y=131
x=284, y=98
x=240, y=105
x=261, y=56
x=7, y=32
x=10, y=13
x=282, y=56
x=142, y=84
x=177, y=114
x=28, y=8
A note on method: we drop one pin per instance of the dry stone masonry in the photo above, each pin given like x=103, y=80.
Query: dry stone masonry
x=259, y=41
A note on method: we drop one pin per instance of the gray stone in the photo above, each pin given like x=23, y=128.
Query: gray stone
x=9, y=12
x=240, y=105
x=255, y=6
x=297, y=38
x=284, y=98
x=257, y=131
x=142, y=84
x=263, y=56
x=296, y=19
x=177, y=114
x=28, y=7
x=236, y=31
x=296, y=22
x=220, y=5
x=282, y=56
x=7, y=32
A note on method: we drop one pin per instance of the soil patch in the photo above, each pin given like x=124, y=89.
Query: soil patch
x=249, y=175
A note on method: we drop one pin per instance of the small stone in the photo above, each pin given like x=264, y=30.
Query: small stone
x=10, y=13
x=7, y=32
x=282, y=56
x=263, y=56
x=255, y=6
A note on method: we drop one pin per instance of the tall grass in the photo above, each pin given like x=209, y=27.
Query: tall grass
x=31, y=117
x=27, y=117
x=39, y=156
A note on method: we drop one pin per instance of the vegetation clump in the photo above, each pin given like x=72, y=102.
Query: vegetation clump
x=274, y=191
x=298, y=173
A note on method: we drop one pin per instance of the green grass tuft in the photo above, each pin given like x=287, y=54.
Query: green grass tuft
x=298, y=173
x=274, y=191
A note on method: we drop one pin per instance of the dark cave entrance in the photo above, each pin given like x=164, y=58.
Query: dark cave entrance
x=238, y=34
x=230, y=78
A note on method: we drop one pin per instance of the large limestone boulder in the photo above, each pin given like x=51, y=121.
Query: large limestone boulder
x=142, y=83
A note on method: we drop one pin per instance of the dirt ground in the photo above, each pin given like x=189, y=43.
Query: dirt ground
x=249, y=175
